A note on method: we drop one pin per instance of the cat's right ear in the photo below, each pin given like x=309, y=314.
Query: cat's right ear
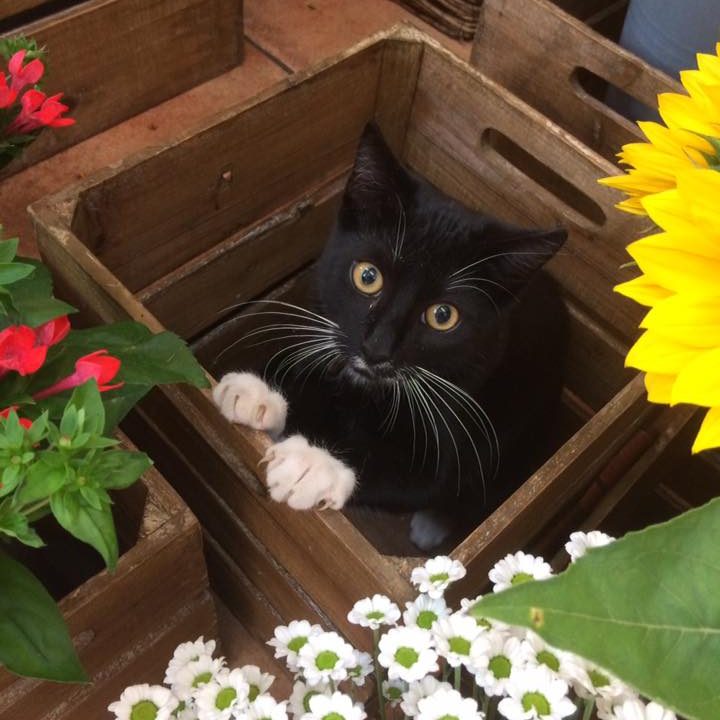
x=377, y=178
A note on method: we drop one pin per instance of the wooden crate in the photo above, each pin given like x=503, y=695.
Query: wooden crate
x=125, y=625
x=178, y=235
x=562, y=67
x=116, y=58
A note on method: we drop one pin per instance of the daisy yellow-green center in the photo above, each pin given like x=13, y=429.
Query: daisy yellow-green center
x=375, y=615
x=201, y=679
x=520, y=578
x=459, y=645
x=449, y=717
x=547, y=658
x=406, y=656
x=225, y=698
x=425, y=619
x=393, y=693
x=144, y=710
x=537, y=701
x=333, y=716
x=326, y=660
x=439, y=578
x=253, y=692
x=296, y=643
x=500, y=667
x=306, y=699
x=598, y=679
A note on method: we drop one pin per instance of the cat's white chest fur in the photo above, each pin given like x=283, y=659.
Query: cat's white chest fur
x=302, y=475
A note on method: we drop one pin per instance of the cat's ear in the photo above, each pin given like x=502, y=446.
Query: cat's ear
x=519, y=254
x=377, y=178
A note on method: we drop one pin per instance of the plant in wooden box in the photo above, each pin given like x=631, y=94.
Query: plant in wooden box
x=25, y=110
x=437, y=664
x=61, y=392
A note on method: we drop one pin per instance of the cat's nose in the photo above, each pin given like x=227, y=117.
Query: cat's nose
x=375, y=353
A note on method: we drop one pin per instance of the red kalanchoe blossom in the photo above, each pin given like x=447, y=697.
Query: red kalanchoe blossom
x=23, y=421
x=7, y=95
x=97, y=365
x=38, y=111
x=19, y=351
x=53, y=331
x=24, y=76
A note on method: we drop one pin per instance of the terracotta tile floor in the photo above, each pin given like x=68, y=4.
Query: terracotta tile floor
x=282, y=36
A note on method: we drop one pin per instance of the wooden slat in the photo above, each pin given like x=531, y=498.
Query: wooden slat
x=534, y=49
x=115, y=58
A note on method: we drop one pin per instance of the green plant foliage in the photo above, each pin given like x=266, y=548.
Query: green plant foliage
x=33, y=638
x=646, y=607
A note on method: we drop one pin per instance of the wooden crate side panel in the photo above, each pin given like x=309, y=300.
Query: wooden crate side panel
x=534, y=49
x=218, y=181
x=115, y=58
x=445, y=143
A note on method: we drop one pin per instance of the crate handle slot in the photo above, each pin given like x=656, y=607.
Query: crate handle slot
x=564, y=190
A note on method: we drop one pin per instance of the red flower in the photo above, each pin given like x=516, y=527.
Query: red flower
x=23, y=421
x=7, y=95
x=38, y=111
x=19, y=351
x=97, y=365
x=22, y=76
x=53, y=331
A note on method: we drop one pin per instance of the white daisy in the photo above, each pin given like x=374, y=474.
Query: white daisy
x=536, y=693
x=589, y=681
x=436, y=574
x=258, y=681
x=185, y=653
x=153, y=702
x=407, y=653
x=504, y=655
x=581, y=542
x=191, y=677
x=264, y=707
x=338, y=707
x=516, y=569
x=419, y=690
x=393, y=691
x=325, y=657
x=222, y=697
x=459, y=639
x=301, y=694
x=638, y=710
x=605, y=707
x=374, y=612
x=560, y=662
x=425, y=611
x=446, y=704
x=362, y=668
x=188, y=712
x=290, y=638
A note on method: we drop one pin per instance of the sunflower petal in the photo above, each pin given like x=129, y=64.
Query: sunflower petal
x=643, y=291
x=659, y=387
x=656, y=354
x=708, y=436
x=699, y=381
x=687, y=319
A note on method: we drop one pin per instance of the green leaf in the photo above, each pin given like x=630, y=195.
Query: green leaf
x=87, y=397
x=13, y=271
x=44, y=478
x=9, y=479
x=34, y=640
x=86, y=523
x=116, y=469
x=16, y=525
x=646, y=607
x=8, y=250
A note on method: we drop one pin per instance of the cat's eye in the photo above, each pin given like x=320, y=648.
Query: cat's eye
x=367, y=278
x=442, y=316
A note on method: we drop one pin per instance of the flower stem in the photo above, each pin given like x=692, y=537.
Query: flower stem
x=378, y=674
x=490, y=707
x=589, y=707
x=30, y=509
x=458, y=672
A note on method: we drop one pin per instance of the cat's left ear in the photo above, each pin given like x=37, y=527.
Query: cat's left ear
x=521, y=253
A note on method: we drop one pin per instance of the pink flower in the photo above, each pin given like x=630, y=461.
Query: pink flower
x=7, y=95
x=23, y=76
x=19, y=350
x=97, y=365
x=53, y=331
x=38, y=111
x=24, y=422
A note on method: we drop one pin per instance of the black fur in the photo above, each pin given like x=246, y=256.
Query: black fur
x=506, y=352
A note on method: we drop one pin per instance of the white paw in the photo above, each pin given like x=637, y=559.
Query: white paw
x=305, y=476
x=428, y=529
x=244, y=398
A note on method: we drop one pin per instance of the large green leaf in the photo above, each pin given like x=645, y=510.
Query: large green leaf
x=34, y=640
x=8, y=249
x=14, y=271
x=646, y=607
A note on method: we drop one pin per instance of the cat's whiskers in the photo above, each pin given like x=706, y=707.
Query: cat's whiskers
x=412, y=404
x=307, y=313
x=481, y=291
x=309, y=349
x=400, y=234
x=472, y=279
x=421, y=397
x=496, y=255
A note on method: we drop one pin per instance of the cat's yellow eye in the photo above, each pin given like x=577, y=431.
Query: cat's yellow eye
x=442, y=316
x=367, y=278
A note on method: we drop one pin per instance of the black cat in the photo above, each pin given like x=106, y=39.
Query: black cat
x=429, y=366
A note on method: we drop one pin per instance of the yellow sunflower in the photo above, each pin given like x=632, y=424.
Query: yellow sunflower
x=679, y=349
